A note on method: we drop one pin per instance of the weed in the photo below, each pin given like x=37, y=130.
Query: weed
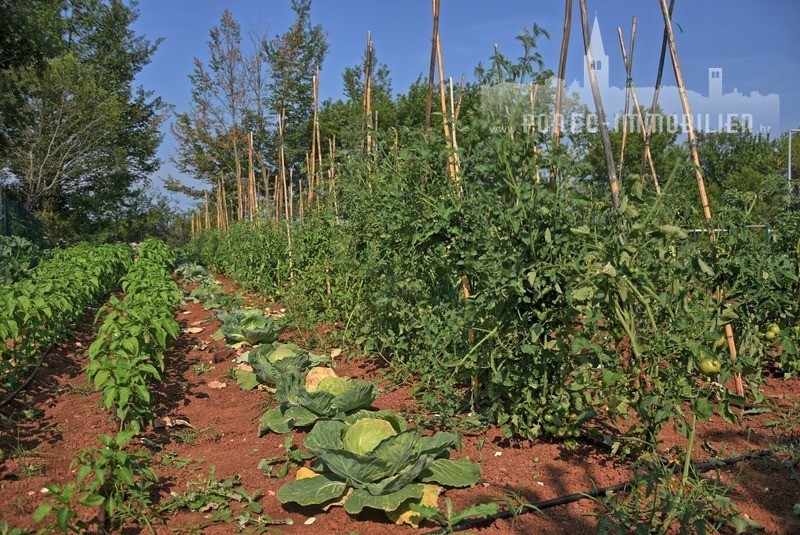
x=84, y=389
x=202, y=368
x=449, y=517
x=29, y=470
x=209, y=495
x=171, y=458
x=292, y=457
x=191, y=436
x=660, y=499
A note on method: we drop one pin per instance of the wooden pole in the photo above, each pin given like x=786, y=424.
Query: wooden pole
x=687, y=113
x=534, y=89
x=637, y=108
x=224, y=202
x=313, y=161
x=460, y=94
x=561, y=81
x=265, y=178
x=431, y=72
x=368, y=94
x=601, y=114
x=628, y=62
x=207, y=216
x=656, y=90
x=697, y=170
x=456, y=159
x=251, y=178
x=445, y=116
x=282, y=159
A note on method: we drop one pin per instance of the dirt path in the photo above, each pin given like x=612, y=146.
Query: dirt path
x=63, y=419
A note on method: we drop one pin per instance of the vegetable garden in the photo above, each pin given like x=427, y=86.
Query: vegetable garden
x=448, y=323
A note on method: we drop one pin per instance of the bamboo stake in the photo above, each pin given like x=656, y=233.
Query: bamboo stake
x=368, y=94
x=192, y=225
x=282, y=160
x=224, y=202
x=637, y=108
x=698, y=173
x=445, y=121
x=628, y=62
x=207, y=217
x=687, y=112
x=601, y=114
x=312, y=163
x=456, y=160
x=240, y=212
x=656, y=91
x=290, y=201
x=251, y=178
x=460, y=94
x=219, y=207
x=562, y=73
x=318, y=179
x=534, y=89
x=431, y=73
x=265, y=178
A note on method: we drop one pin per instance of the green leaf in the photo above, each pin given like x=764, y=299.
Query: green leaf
x=458, y=473
x=355, y=469
x=92, y=500
x=311, y=490
x=42, y=511
x=361, y=499
x=246, y=380
x=326, y=435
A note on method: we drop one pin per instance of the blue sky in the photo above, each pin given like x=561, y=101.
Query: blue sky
x=756, y=43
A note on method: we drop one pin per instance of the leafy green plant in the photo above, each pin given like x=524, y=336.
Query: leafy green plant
x=110, y=478
x=293, y=456
x=128, y=352
x=247, y=325
x=272, y=361
x=311, y=396
x=209, y=495
x=448, y=518
x=661, y=500
x=384, y=463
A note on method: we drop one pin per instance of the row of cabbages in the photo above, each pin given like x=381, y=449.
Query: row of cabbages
x=364, y=458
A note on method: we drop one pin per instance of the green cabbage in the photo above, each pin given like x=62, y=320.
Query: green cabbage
x=334, y=385
x=364, y=436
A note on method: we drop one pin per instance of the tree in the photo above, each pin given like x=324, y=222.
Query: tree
x=85, y=138
x=293, y=58
x=344, y=118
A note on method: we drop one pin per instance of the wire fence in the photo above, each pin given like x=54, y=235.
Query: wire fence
x=15, y=220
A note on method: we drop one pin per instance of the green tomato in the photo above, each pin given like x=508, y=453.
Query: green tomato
x=548, y=418
x=770, y=335
x=720, y=343
x=709, y=367
x=774, y=328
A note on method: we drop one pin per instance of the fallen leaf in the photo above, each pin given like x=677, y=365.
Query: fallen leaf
x=335, y=353
x=196, y=323
x=193, y=330
x=217, y=384
x=245, y=367
x=187, y=312
x=310, y=521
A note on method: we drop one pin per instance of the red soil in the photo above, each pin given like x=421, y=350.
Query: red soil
x=227, y=421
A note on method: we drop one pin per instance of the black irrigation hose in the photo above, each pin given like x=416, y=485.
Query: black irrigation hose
x=594, y=493
x=27, y=381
